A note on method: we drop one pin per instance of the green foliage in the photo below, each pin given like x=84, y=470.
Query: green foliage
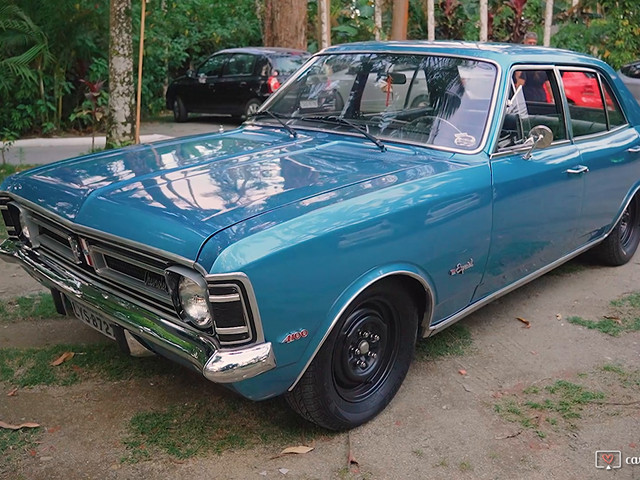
x=609, y=29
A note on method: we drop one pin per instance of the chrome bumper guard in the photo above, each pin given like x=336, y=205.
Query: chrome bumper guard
x=220, y=366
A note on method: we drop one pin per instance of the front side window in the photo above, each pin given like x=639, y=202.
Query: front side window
x=212, y=67
x=534, y=99
x=430, y=100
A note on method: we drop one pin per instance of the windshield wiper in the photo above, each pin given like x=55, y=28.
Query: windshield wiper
x=279, y=118
x=344, y=121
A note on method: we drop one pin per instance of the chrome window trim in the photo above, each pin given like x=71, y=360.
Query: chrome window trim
x=426, y=321
x=492, y=105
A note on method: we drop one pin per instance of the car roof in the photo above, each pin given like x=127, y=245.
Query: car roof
x=269, y=51
x=504, y=54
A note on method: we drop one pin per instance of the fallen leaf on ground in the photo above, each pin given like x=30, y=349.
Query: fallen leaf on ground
x=283, y=471
x=296, y=450
x=527, y=323
x=62, y=358
x=53, y=429
x=558, y=316
x=462, y=371
x=614, y=318
x=12, y=392
x=8, y=426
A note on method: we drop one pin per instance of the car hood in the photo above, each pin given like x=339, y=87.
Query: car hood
x=174, y=195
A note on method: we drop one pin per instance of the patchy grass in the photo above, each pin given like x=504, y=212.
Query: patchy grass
x=626, y=379
x=624, y=317
x=13, y=442
x=32, y=307
x=455, y=340
x=30, y=367
x=606, y=325
x=189, y=429
x=553, y=406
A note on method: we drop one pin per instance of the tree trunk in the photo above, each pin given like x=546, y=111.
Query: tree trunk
x=548, y=20
x=400, y=19
x=121, y=91
x=324, y=23
x=484, y=20
x=285, y=23
x=378, y=19
x=431, y=20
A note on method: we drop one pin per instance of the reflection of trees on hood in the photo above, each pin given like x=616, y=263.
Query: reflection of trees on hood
x=444, y=84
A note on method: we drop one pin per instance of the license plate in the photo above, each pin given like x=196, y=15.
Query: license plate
x=93, y=319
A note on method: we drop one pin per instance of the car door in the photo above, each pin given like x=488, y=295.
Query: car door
x=238, y=83
x=204, y=95
x=537, y=200
x=609, y=150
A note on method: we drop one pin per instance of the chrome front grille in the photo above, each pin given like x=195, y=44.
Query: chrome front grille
x=136, y=274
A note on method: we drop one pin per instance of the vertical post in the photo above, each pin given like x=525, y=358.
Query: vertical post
x=140, y=57
x=431, y=21
x=377, y=18
x=400, y=19
x=324, y=23
x=548, y=20
x=484, y=20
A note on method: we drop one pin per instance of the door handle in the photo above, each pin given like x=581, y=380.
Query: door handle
x=635, y=149
x=577, y=170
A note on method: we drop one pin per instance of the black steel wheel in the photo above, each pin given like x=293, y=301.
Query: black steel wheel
x=622, y=242
x=180, y=112
x=363, y=362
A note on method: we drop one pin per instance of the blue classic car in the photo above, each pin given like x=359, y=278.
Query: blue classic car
x=384, y=192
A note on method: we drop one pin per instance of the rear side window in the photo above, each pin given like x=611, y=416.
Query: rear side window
x=240, y=64
x=289, y=64
x=614, y=112
x=589, y=111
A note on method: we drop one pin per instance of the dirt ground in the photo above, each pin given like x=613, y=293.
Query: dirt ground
x=442, y=424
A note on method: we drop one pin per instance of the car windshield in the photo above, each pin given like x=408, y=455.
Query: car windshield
x=289, y=64
x=432, y=100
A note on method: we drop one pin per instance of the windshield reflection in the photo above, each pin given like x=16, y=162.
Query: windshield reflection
x=432, y=100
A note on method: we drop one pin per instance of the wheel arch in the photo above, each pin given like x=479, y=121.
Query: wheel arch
x=633, y=193
x=414, y=279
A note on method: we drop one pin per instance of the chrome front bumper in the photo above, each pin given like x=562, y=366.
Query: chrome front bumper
x=217, y=365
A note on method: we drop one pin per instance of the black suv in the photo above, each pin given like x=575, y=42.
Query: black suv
x=233, y=82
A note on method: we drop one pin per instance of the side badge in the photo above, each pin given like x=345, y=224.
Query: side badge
x=461, y=268
x=292, y=337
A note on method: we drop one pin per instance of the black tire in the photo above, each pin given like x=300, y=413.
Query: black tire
x=421, y=101
x=622, y=242
x=250, y=108
x=180, y=113
x=379, y=329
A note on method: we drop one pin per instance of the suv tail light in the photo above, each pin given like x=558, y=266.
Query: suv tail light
x=273, y=83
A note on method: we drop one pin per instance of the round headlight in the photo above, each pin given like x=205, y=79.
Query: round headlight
x=193, y=300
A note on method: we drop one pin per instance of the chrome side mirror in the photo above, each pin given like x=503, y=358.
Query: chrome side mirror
x=540, y=136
